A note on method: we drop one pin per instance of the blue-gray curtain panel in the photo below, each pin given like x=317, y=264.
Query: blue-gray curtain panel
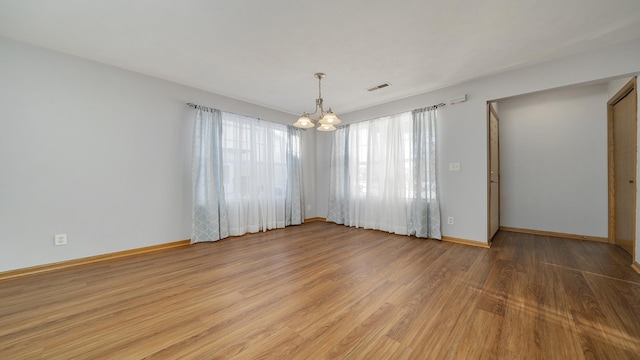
x=209, y=219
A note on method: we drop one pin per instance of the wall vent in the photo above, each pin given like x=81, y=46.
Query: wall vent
x=379, y=86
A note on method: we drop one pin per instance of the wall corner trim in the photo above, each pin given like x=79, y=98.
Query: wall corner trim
x=636, y=266
x=315, y=219
x=555, y=234
x=466, y=242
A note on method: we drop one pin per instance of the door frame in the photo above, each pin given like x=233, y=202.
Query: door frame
x=629, y=87
x=491, y=110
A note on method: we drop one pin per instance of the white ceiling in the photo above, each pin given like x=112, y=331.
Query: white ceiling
x=266, y=51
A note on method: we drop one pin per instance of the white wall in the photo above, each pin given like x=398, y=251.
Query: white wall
x=99, y=153
x=323, y=167
x=308, y=140
x=553, y=161
x=462, y=128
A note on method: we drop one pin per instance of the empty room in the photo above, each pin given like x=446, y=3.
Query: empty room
x=319, y=180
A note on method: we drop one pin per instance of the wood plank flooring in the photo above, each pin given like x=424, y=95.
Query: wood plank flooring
x=325, y=291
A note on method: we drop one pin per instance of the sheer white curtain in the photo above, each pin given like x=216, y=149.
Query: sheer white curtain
x=253, y=169
x=294, y=201
x=255, y=173
x=383, y=175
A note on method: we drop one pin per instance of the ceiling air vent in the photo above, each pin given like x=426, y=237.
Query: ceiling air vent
x=379, y=87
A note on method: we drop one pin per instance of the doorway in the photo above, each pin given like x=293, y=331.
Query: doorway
x=622, y=143
x=494, y=171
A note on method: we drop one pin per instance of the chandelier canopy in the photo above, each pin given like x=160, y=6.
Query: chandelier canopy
x=326, y=119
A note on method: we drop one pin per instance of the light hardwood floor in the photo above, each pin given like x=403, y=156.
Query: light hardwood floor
x=325, y=291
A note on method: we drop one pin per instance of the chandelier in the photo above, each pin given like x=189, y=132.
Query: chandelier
x=326, y=119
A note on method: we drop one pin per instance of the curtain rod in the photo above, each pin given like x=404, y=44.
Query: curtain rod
x=431, y=107
x=209, y=109
x=195, y=106
x=206, y=108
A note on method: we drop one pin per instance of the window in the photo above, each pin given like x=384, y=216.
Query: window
x=383, y=175
x=253, y=157
x=246, y=174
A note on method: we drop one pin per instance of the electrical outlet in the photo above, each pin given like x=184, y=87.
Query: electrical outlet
x=309, y=207
x=454, y=166
x=450, y=220
x=60, y=239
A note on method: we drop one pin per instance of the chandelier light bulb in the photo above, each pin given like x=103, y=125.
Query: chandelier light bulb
x=326, y=127
x=330, y=118
x=304, y=122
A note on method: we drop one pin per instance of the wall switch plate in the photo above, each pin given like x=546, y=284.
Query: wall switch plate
x=60, y=239
x=450, y=220
x=454, y=166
